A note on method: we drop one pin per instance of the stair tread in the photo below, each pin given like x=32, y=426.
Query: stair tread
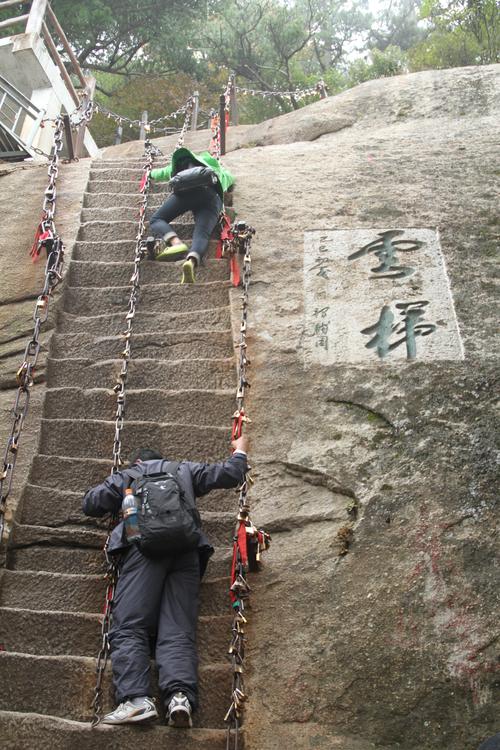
x=49, y=732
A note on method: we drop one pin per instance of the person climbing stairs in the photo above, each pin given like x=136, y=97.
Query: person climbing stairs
x=180, y=393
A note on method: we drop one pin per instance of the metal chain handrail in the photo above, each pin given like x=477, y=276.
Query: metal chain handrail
x=298, y=94
x=240, y=590
x=46, y=237
x=187, y=121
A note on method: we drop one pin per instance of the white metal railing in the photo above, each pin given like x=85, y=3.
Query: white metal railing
x=38, y=20
x=20, y=120
x=41, y=21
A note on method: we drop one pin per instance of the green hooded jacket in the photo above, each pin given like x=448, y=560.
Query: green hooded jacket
x=224, y=177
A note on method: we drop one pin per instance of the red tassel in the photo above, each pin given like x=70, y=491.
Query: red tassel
x=237, y=425
x=143, y=182
x=34, y=252
x=235, y=271
x=242, y=543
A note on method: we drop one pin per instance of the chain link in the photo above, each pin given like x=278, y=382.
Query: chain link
x=46, y=237
x=187, y=120
x=297, y=95
x=241, y=244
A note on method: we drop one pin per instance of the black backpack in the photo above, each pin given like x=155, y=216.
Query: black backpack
x=168, y=523
x=195, y=177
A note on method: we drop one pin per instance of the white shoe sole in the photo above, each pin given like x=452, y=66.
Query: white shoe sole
x=132, y=719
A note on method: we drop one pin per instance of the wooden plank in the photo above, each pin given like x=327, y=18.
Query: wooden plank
x=57, y=59
x=64, y=39
x=13, y=21
x=7, y=3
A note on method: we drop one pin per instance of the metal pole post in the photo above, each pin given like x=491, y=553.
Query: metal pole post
x=196, y=109
x=118, y=135
x=144, y=122
x=87, y=97
x=222, y=124
x=69, y=137
x=233, y=104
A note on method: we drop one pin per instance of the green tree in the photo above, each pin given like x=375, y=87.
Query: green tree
x=463, y=32
x=282, y=46
x=130, y=37
x=398, y=24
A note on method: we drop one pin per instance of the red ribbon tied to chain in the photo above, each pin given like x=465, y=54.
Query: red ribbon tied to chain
x=42, y=236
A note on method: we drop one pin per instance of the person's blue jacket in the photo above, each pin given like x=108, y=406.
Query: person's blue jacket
x=196, y=480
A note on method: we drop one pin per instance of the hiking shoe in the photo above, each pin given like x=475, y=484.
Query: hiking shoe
x=170, y=253
x=188, y=276
x=132, y=711
x=179, y=712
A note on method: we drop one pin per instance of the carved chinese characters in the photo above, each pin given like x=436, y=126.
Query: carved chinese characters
x=377, y=295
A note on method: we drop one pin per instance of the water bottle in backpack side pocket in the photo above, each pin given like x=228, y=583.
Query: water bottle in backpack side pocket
x=130, y=511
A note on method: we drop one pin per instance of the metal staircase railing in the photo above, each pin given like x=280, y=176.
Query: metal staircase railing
x=20, y=120
x=43, y=45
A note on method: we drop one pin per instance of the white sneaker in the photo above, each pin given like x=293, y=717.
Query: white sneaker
x=132, y=711
x=179, y=712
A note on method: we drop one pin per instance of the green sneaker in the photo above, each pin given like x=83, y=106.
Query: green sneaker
x=171, y=252
x=188, y=276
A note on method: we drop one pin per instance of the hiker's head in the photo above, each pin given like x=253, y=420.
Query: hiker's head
x=144, y=454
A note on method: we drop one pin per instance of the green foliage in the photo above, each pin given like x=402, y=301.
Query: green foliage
x=382, y=64
x=397, y=25
x=282, y=45
x=152, y=54
x=463, y=32
x=128, y=36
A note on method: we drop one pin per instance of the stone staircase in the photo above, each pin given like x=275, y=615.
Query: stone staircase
x=180, y=397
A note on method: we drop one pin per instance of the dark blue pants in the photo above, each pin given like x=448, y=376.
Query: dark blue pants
x=156, y=601
x=206, y=205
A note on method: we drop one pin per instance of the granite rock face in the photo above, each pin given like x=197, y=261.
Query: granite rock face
x=373, y=622
x=374, y=618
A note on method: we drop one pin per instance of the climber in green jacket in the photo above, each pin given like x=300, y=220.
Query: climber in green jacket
x=199, y=186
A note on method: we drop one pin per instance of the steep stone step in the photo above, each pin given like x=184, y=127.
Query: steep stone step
x=112, y=265
x=175, y=375
x=201, y=407
x=46, y=633
x=109, y=231
x=216, y=319
x=85, y=593
x=129, y=185
x=24, y=679
x=123, y=172
x=152, y=298
x=122, y=161
x=172, y=346
x=133, y=199
x=122, y=186
x=125, y=213
x=94, y=439
x=18, y=731
x=50, y=559
x=37, y=548
x=52, y=508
